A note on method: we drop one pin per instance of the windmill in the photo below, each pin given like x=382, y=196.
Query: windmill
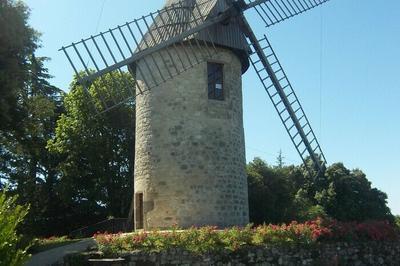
x=186, y=62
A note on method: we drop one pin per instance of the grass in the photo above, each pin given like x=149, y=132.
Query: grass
x=44, y=244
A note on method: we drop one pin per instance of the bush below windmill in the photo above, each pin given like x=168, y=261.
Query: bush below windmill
x=211, y=240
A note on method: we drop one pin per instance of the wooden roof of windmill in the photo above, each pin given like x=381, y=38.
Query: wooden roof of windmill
x=179, y=15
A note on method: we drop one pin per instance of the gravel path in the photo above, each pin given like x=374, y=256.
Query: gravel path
x=53, y=256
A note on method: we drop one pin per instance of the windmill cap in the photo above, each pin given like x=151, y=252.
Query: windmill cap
x=227, y=35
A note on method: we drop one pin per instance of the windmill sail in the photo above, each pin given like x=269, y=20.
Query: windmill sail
x=189, y=23
x=275, y=11
x=166, y=39
x=286, y=103
x=186, y=23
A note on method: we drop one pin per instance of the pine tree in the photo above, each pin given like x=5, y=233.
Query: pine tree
x=280, y=160
x=17, y=42
x=26, y=164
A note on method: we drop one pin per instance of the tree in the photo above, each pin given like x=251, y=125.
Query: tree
x=89, y=168
x=97, y=153
x=279, y=160
x=285, y=193
x=18, y=41
x=271, y=192
x=11, y=217
x=349, y=196
x=26, y=164
x=397, y=219
x=29, y=108
x=305, y=208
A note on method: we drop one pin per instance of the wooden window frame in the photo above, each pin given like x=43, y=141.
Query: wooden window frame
x=215, y=77
x=139, y=210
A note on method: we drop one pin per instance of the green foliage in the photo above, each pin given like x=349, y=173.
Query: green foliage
x=271, y=192
x=24, y=161
x=349, y=196
x=201, y=240
x=29, y=108
x=196, y=240
x=97, y=153
x=397, y=221
x=306, y=210
x=18, y=41
x=43, y=244
x=88, y=173
x=11, y=216
x=286, y=193
x=211, y=240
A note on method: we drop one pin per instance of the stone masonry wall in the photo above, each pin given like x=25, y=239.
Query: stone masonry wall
x=190, y=152
x=355, y=254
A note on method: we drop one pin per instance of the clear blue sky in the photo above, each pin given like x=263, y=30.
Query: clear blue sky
x=343, y=60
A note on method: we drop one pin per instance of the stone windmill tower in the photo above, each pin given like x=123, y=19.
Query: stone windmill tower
x=187, y=61
x=190, y=152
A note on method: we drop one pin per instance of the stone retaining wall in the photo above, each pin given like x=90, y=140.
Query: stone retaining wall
x=370, y=253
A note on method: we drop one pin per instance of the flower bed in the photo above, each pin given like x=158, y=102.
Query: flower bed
x=210, y=239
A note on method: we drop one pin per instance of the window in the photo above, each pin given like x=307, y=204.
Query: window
x=215, y=81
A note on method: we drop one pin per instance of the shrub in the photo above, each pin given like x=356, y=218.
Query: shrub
x=210, y=239
x=397, y=221
x=43, y=244
x=11, y=215
x=52, y=240
x=372, y=230
x=293, y=233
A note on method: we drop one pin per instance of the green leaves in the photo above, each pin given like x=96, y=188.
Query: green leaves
x=349, y=196
x=17, y=42
x=97, y=152
x=286, y=193
x=11, y=216
x=209, y=239
x=24, y=160
x=271, y=192
x=66, y=163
